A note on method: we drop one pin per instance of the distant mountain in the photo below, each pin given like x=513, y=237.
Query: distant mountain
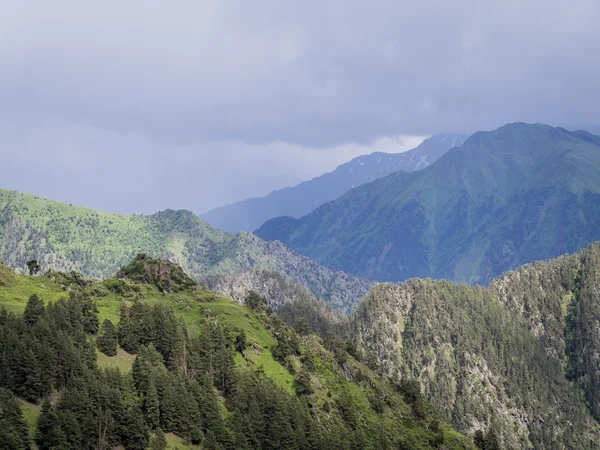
x=521, y=356
x=248, y=215
x=64, y=237
x=504, y=198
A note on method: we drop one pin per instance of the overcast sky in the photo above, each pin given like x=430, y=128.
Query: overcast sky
x=137, y=106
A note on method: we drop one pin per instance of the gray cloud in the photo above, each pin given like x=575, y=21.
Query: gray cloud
x=128, y=172
x=104, y=82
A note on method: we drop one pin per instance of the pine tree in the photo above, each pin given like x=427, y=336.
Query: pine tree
x=150, y=405
x=30, y=385
x=134, y=432
x=89, y=311
x=34, y=310
x=125, y=333
x=210, y=442
x=50, y=435
x=158, y=441
x=491, y=440
x=12, y=423
x=70, y=427
x=479, y=439
x=107, y=340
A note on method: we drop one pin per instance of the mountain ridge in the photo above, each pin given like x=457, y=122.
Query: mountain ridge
x=520, y=356
x=296, y=201
x=466, y=217
x=65, y=237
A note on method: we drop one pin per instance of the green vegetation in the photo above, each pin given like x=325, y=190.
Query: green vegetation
x=507, y=358
x=41, y=235
x=201, y=371
x=504, y=198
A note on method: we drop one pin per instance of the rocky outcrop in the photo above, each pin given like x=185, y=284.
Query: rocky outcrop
x=520, y=356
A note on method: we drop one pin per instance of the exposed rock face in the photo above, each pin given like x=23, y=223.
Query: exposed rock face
x=519, y=356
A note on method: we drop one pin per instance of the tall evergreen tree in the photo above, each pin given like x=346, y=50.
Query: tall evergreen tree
x=151, y=405
x=107, y=340
x=158, y=441
x=14, y=433
x=34, y=310
x=50, y=435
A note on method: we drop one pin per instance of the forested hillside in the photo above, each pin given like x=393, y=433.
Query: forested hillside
x=65, y=237
x=502, y=199
x=149, y=358
x=520, y=357
x=297, y=201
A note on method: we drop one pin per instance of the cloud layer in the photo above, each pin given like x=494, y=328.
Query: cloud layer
x=172, y=88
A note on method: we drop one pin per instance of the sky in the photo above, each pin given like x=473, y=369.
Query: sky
x=139, y=106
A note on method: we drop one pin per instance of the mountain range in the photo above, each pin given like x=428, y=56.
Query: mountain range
x=66, y=238
x=297, y=201
x=503, y=198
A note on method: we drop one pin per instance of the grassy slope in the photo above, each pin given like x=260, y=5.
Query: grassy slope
x=66, y=237
x=328, y=380
x=192, y=306
x=31, y=413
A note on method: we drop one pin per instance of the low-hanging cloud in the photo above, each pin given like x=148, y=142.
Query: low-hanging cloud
x=129, y=172
x=131, y=88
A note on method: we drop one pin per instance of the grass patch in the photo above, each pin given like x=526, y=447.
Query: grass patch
x=122, y=360
x=174, y=442
x=31, y=412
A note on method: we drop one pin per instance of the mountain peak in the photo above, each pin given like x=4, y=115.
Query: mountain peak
x=297, y=201
x=503, y=198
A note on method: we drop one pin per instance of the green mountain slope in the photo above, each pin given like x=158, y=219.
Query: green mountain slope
x=65, y=237
x=520, y=356
x=297, y=201
x=212, y=373
x=502, y=199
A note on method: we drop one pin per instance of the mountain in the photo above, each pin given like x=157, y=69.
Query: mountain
x=206, y=371
x=520, y=356
x=248, y=215
x=504, y=198
x=65, y=237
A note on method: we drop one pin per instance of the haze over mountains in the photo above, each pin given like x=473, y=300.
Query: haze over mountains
x=504, y=198
x=248, y=215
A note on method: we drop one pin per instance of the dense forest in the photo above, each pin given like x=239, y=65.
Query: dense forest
x=149, y=359
x=519, y=356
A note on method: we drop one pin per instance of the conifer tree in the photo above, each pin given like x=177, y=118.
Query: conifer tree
x=134, y=432
x=50, y=435
x=491, y=440
x=210, y=442
x=14, y=432
x=107, y=340
x=150, y=405
x=158, y=441
x=34, y=310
